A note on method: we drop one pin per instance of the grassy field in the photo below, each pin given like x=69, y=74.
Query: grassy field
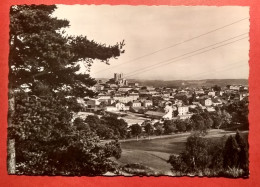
x=155, y=153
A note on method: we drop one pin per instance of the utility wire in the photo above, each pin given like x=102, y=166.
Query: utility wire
x=171, y=46
x=145, y=69
x=230, y=68
x=164, y=61
x=223, y=68
x=188, y=53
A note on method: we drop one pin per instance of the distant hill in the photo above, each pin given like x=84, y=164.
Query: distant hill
x=191, y=83
x=187, y=83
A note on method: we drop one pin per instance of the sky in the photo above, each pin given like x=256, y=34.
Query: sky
x=166, y=42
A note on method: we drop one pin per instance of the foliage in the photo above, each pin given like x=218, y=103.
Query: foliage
x=183, y=125
x=199, y=123
x=239, y=112
x=158, y=128
x=119, y=126
x=225, y=157
x=46, y=61
x=136, y=130
x=47, y=143
x=148, y=127
x=108, y=127
x=169, y=126
x=41, y=52
x=235, y=153
x=216, y=88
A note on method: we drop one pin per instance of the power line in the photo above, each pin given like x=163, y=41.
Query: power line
x=190, y=52
x=185, y=57
x=223, y=68
x=174, y=45
x=230, y=68
x=185, y=54
x=151, y=68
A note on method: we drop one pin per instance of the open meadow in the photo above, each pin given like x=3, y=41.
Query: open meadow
x=154, y=153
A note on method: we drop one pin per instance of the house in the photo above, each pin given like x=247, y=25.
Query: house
x=168, y=111
x=184, y=92
x=103, y=96
x=234, y=87
x=124, y=89
x=144, y=91
x=98, y=87
x=136, y=104
x=133, y=84
x=92, y=103
x=150, y=88
x=212, y=93
x=133, y=96
x=206, y=102
x=122, y=98
x=113, y=86
x=182, y=110
x=147, y=103
x=120, y=106
x=199, y=92
x=111, y=109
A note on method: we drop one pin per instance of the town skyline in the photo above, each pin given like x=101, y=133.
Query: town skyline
x=166, y=39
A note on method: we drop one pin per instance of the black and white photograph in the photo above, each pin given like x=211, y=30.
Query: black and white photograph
x=101, y=90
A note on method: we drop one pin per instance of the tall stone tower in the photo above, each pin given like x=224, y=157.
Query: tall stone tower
x=116, y=76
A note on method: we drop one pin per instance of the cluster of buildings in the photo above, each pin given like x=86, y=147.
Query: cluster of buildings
x=120, y=96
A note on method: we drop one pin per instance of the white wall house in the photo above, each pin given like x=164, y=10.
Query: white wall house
x=208, y=102
x=212, y=94
x=120, y=106
x=111, y=109
x=103, y=96
x=148, y=103
x=136, y=104
x=182, y=110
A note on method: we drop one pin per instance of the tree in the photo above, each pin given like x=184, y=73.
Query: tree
x=119, y=126
x=136, y=130
x=243, y=152
x=216, y=88
x=195, y=157
x=231, y=153
x=46, y=61
x=169, y=126
x=81, y=125
x=148, y=127
x=198, y=123
x=39, y=52
x=181, y=125
x=212, y=157
x=207, y=120
x=158, y=128
x=93, y=121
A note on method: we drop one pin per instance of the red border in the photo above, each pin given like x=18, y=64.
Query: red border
x=254, y=118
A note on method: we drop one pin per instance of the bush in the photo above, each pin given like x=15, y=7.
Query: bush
x=225, y=157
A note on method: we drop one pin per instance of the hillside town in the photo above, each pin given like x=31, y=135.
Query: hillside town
x=137, y=103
